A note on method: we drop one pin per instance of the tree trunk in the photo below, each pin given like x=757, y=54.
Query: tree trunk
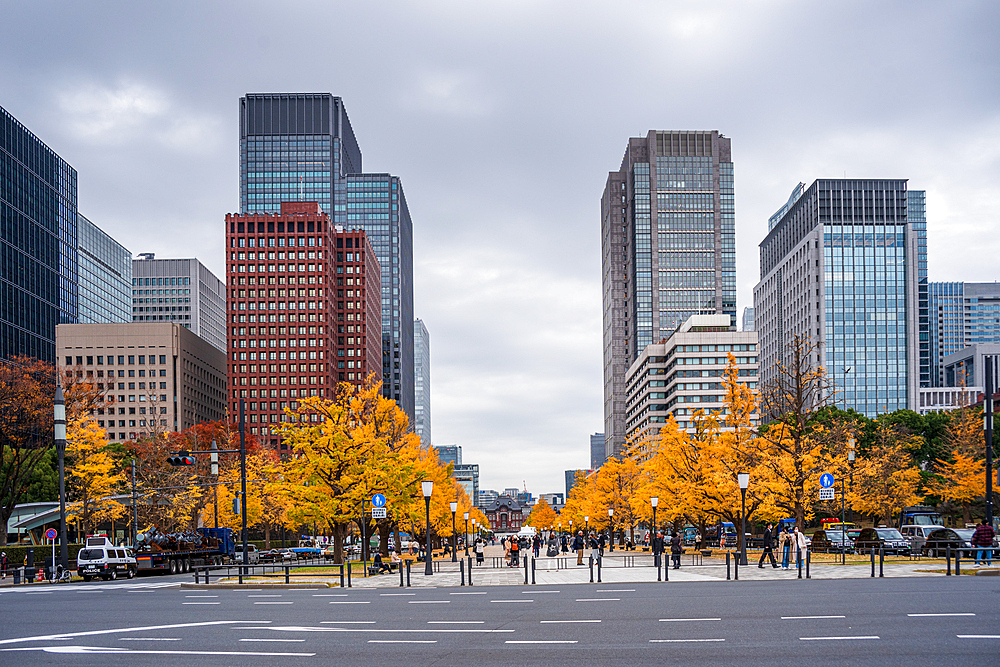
x=267, y=534
x=383, y=537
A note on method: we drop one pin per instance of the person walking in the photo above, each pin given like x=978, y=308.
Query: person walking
x=595, y=547
x=676, y=549
x=536, y=545
x=983, y=538
x=3, y=565
x=515, y=553
x=785, y=544
x=578, y=546
x=801, y=545
x=478, y=548
x=657, y=547
x=768, y=548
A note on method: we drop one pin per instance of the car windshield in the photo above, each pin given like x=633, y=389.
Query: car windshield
x=925, y=520
x=965, y=533
x=835, y=536
x=90, y=554
x=889, y=534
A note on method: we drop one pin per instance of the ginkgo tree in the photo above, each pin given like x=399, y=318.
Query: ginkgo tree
x=93, y=476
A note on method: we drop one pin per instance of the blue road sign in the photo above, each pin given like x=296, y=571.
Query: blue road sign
x=826, y=480
x=378, y=500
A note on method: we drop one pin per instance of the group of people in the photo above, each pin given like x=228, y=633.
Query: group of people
x=788, y=541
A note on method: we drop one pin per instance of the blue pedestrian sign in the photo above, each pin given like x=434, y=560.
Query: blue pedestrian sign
x=826, y=480
x=378, y=500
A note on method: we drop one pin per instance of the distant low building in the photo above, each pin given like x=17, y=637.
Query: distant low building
x=486, y=496
x=505, y=514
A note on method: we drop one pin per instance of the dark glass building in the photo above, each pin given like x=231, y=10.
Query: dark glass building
x=301, y=147
x=105, y=268
x=38, y=252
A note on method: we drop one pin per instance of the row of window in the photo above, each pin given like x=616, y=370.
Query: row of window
x=121, y=360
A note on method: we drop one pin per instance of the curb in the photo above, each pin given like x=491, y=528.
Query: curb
x=261, y=585
x=988, y=573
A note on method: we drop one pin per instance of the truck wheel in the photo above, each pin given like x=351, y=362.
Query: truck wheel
x=173, y=566
x=187, y=565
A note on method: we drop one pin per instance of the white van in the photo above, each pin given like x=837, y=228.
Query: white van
x=101, y=558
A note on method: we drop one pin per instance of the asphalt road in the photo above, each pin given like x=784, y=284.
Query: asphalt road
x=152, y=621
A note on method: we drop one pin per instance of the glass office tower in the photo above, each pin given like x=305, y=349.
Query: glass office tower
x=105, y=276
x=38, y=253
x=961, y=315
x=668, y=235
x=841, y=268
x=422, y=382
x=301, y=147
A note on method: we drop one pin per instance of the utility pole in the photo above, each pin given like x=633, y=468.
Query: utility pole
x=988, y=417
x=243, y=480
x=135, y=509
x=59, y=431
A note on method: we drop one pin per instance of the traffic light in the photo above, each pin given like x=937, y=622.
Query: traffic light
x=181, y=459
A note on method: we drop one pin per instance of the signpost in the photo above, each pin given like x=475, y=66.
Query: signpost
x=51, y=535
x=378, y=500
x=826, y=482
x=378, y=513
x=826, y=494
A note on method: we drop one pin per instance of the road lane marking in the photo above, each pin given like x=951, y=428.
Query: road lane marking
x=200, y=596
x=511, y=601
x=540, y=641
x=574, y=621
x=686, y=620
x=274, y=603
x=978, y=636
x=263, y=596
x=89, y=633
x=307, y=628
x=272, y=640
x=346, y=622
x=105, y=649
x=616, y=590
x=402, y=641
x=331, y=595
x=351, y=602
x=395, y=595
x=149, y=639
x=479, y=593
x=796, y=618
x=201, y=603
x=923, y=615
x=39, y=593
x=455, y=622
x=530, y=592
x=682, y=641
x=428, y=601
x=598, y=599
x=816, y=639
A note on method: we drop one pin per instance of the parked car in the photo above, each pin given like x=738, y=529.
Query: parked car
x=966, y=536
x=917, y=535
x=938, y=541
x=832, y=541
x=890, y=540
x=253, y=554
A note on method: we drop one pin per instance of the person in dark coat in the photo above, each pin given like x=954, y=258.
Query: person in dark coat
x=657, y=546
x=768, y=548
x=578, y=546
x=983, y=538
x=676, y=549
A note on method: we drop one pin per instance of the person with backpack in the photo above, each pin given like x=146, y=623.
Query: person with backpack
x=515, y=553
x=676, y=549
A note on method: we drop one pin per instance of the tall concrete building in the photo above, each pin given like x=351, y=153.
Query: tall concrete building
x=308, y=291
x=844, y=266
x=301, y=147
x=449, y=454
x=38, y=243
x=960, y=315
x=152, y=377
x=182, y=291
x=105, y=270
x=422, y=382
x=597, y=453
x=668, y=242
x=748, y=321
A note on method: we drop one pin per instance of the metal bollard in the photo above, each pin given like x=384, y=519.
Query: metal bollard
x=461, y=570
x=532, y=571
x=525, y=570
x=341, y=575
x=400, y=574
x=736, y=568
x=947, y=559
x=286, y=574
x=470, y=570
x=728, y=578
x=808, y=560
x=873, y=562
x=798, y=560
x=666, y=569
x=349, y=568
x=881, y=561
x=659, y=563
x=958, y=560
x=599, y=558
x=408, y=563
x=590, y=561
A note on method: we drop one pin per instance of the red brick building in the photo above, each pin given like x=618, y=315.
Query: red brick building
x=303, y=311
x=505, y=514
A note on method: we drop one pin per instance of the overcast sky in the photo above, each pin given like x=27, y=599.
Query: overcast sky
x=503, y=120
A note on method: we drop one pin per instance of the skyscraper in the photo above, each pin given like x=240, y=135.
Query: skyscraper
x=182, y=291
x=38, y=230
x=748, y=323
x=657, y=275
x=105, y=270
x=597, y=454
x=307, y=292
x=301, y=147
x=422, y=382
x=841, y=266
x=961, y=315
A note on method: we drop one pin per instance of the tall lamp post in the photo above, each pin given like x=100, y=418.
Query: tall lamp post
x=654, y=501
x=427, y=486
x=850, y=462
x=744, y=479
x=586, y=529
x=59, y=431
x=988, y=428
x=611, y=528
x=454, y=535
x=465, y=515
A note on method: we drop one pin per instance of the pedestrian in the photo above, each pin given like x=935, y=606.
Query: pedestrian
x=595, y=547
x=768, y=548
x=578, y=546
x=697, y=540
x=801, y=544
x=676, y=549
x=657, y=547
x=983, y=538
x=536, y=545
x=3, y=565
x=564, y=544
x=785, y=544
x=515, y=553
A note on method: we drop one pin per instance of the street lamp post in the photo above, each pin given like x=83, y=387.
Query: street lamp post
x=850, y=462
x=611, y=528
x=744, y=481
x=454, y=536
x=465, y=515
x=586, y=529
x=59, y=431
x=988, y=428
x=654, y=501
x=427, y=486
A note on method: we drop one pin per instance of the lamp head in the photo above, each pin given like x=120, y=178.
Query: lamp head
x=611, y=511
x=428, y=487
x=454, y=507
x=744, y=479
x=586, y=518
x=465, y=515
x=654, y=501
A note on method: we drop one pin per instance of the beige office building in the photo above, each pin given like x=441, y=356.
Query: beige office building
x=152, y=377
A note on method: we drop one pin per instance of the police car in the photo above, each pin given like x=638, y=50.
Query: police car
x=101, y=558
